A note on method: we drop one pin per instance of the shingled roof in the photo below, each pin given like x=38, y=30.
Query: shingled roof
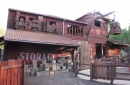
x=38, y=37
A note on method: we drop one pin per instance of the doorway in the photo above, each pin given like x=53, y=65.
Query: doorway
x=100, y=50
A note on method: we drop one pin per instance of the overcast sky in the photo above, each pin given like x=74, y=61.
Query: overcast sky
x=70, y=9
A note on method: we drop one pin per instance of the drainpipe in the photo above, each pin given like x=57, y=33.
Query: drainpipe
x=63, y=26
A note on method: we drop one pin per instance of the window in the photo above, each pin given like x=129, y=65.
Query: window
x=51, y=26
x=52, y=23
x=22, y=19
x=97, y=23
x=31, y=19
x=74, y=30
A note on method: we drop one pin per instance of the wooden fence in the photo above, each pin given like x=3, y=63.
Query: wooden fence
x=11, y=72
x=103, y=70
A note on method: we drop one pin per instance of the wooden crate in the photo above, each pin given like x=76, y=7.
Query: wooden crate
x=58, y=68
x=43, y=62
x=47, y=69
x=38, y=74
x=53, y=68
x=52, y=72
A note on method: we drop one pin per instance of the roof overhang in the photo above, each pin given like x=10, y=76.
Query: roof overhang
x=116, y=42
x=38, y=37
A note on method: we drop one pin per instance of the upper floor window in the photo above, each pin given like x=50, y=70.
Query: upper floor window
x=51, y=26
x=97, y=23
x=74, y=30
x=22, y=19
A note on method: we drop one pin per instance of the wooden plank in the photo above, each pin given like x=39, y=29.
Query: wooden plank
x=1, y=76
x=13, y=66
x=84, y=64
x=17, y=62
x=5, y=76
x=19, y=72
x=121, y=78
x=123, y=73
x=91, y=71
x=19, y=76
x=84, y=74
x=15, y=73
x=23, y=72
x=8, y=75
x=12, y=73
x=111, y=73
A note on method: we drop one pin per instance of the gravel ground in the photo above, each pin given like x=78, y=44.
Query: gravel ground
x=59, y=79
x=123, y=70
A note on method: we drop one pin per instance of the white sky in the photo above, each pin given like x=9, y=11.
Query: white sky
x=70, y=9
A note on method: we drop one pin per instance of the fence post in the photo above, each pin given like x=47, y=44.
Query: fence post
x=91, y=71
x=23, y=68
x=111, y=72
x=76, y=69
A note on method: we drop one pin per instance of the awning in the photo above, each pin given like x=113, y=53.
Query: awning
x=117, y=42
x=38, y=37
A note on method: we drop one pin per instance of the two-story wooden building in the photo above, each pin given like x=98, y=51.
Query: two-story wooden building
x=33, y=36
x=98, y=35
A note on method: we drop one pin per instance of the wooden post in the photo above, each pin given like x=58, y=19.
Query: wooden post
x=72, y=29
x=118, y=60
x=75, y=30
x=80, y=31
x=91, y=71
x=111, y=72
x=23, y=67
x=76, y=68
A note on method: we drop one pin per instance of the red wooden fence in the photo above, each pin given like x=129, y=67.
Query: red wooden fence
x=11, y=72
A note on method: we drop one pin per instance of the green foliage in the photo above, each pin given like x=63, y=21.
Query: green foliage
x=2, y=33
x=124, y=37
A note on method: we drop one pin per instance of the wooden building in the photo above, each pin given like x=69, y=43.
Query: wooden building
x=33, y=36
x=98, y=35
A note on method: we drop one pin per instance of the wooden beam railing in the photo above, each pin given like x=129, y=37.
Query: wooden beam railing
x=111, y=71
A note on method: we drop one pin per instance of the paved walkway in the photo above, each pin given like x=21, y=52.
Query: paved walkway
x=59, y=79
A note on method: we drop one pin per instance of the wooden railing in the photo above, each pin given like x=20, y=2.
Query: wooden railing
x=103, y=70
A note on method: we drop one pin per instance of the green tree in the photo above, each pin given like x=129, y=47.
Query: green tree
x=2, y=33
x=124, y=37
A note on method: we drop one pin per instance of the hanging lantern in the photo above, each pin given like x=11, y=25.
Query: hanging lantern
x=115, y=28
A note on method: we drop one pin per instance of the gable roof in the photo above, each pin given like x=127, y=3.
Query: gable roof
x=38, y=37
x=97, y=13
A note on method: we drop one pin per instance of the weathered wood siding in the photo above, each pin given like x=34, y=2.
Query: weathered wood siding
x=85, y=54
x=12, y=15
x=114, y=51
x=92, y=41
x=29, y=52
